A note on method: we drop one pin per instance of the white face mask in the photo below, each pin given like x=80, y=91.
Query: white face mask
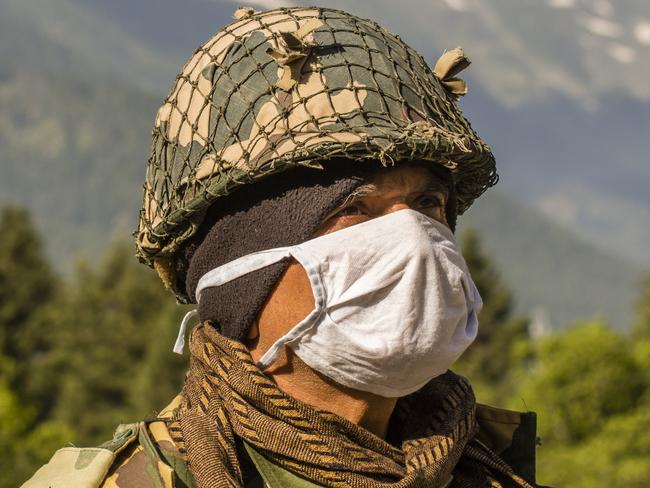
x=395, y=304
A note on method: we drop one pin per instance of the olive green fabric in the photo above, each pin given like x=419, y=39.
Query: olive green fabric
x=512, y=435
x=298, y=87
x=274, y=475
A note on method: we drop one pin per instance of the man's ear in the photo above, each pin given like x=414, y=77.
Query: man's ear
x=451, y=207
x=253, y=331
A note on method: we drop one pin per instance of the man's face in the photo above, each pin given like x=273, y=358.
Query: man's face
x=390, y=190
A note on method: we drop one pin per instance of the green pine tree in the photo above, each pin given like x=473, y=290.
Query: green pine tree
x=493, y=361
x=27, y=283
x=641, y=327
x=640, y=334
x=28, y=288
x=110, y=341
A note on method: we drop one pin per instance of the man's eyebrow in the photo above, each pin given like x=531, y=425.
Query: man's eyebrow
x=359, y=192
x=436, y=186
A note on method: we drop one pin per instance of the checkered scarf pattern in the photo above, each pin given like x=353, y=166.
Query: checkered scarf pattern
x=226, y=396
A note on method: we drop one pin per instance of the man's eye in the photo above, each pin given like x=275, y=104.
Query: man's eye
x=350, y=210
x=428, y=201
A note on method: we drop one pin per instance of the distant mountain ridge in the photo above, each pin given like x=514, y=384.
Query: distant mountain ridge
x=587, y=170
x=74, y=137
x=88, y=45
x=523, y=52
x=551, y=88
x=73, y=141
x=526, y=51
x=549, y=269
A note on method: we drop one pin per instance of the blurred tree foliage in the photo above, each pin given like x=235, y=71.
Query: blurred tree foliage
x=592, y=397
x=113, y=323
x=493, y=363
x=27, y=288
x=581, y=378
x=81, y=355
x=641, y=328
x=589, y=385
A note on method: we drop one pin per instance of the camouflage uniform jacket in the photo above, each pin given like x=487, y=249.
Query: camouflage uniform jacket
x=144, y=455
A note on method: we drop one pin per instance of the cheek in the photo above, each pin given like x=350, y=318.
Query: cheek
x=295, y=284
x=289, y=302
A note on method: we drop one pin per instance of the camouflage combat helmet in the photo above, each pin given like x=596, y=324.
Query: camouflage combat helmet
x=296, y=87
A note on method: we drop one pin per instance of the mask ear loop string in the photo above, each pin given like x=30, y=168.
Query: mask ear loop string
x=224, y=274
x=179, y=346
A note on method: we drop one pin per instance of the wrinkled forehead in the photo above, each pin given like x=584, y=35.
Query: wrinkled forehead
x=415, y=176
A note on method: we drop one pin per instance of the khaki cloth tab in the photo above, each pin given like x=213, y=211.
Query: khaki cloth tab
x=82, y=467
x=72, y=466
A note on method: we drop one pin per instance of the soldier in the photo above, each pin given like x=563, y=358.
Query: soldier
x=303, y=185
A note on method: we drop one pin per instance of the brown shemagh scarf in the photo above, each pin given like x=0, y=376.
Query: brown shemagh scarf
x=226, y=396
